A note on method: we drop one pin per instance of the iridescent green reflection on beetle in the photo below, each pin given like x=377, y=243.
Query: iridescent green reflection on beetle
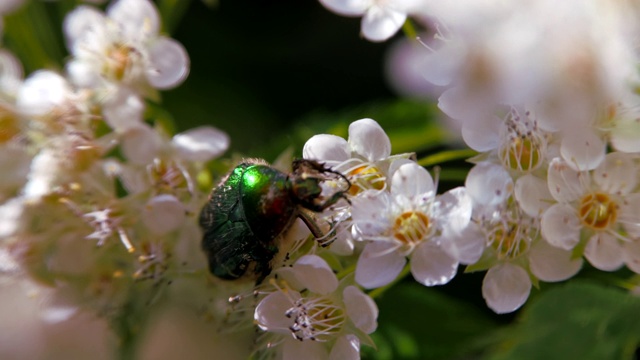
x=253, y=206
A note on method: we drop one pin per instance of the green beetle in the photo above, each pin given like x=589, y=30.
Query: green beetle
x=253, y=206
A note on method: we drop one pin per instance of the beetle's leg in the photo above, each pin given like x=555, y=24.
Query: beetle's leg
x=323, y=238
x=311, y=223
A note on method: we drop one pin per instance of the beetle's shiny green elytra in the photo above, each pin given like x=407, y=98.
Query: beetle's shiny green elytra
x=252, y=207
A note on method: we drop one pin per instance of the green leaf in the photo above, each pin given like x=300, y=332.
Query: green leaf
x=421, y=323
x=579, y=320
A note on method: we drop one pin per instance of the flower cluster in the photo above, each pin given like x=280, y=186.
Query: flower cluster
x=96, y=198
x=556, y=131
x=99, y=203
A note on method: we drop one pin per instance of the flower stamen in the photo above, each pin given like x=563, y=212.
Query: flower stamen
x=411, y=227
x=598, y=211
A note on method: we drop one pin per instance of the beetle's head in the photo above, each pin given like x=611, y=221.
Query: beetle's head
x=306, y=185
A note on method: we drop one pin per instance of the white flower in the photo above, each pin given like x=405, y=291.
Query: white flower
x=364, y=159
x=11, y=74
x=123, y=47
x=201, y=144
x=514, y=253
x=163, y=213
x=516, y=141
x=623, y=126
x=381, y=19
x=489, y=54
x=410, y=220
x=316, y=316
x=599, y=205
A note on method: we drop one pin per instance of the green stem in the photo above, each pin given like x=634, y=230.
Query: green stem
x=409, y=30
x=445, y=156
x=131, y=321
x=346, y=271
x=127, y=328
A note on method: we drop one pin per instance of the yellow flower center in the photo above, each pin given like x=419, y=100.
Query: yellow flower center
x=411, y=227
x=119, y=61
x=509, y=241
x=167, y=177
x=598, y=211
x=522, y=153
x=365, y=177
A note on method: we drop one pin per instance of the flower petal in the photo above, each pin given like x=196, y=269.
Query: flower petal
x=549, y=263
x=617, y=174
x=362, y=310
x=347, y=347
x=11, y=73
x=505, y=288
x=532, y=194
x=369, y=140
x=369, y=213
x=466, y=246
x=378, y=265
x=201, y=144
x=624, y=135
x=42, y=92
x=604, y=252
x=629, y=214
x=431, y=265
x=82, y=74
x=315, y=274
x=454, y=209
x=312, y=350
x=412, y=180
x=565, y=183
x=560, y=226
x=347, y=7
x=270, y=314
x=81, y=20
x=163, y=213
x=326, y=147
x=137, y=18
x=381, y=22
x=482, y=134
x=583, y=150
x=489, y=184
x=123, y=110
x=630, y=254
x=140, y=145
x=169, y=63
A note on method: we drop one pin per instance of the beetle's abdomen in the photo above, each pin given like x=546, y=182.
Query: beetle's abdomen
x=267, y=203
x=227, y=240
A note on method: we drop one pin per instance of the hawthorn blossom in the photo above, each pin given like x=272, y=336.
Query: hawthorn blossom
x=364, y=159
x=488, y=49
x=515, y=255
x=516, y=142
x=411, y=221
x=124, y=47
x=122, y=58
x=598, y=207
x=312, y=315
